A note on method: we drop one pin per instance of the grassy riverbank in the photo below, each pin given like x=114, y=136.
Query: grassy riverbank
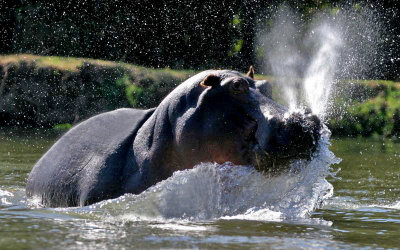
x=53, y=91
x=46, y=91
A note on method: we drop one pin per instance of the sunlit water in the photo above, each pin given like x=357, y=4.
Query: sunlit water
x=217, y=205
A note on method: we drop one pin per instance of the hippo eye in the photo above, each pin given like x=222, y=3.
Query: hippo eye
x=240, y=87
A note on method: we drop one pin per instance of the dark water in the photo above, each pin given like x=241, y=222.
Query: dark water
x=364, y=211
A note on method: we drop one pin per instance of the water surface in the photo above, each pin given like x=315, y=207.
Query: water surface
x=364, y=210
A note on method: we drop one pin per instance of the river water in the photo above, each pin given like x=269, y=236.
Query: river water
x=351, y=204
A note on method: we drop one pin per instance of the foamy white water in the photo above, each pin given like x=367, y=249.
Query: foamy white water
x=396, y=205
x=14, y=198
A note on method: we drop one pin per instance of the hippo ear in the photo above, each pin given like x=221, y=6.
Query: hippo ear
x=251, y=72
x=210, y=81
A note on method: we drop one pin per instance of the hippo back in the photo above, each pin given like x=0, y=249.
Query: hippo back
x=85, y=165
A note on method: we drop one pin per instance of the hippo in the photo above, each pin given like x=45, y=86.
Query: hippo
x=215, y=116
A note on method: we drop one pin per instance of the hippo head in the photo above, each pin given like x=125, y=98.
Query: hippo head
x=225, y=116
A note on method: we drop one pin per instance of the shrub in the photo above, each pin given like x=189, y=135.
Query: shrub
x=377, y=115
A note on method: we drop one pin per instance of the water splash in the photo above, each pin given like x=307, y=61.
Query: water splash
x=211, y=191
x=15, y=198
x=310, y=57
x=305, y=70
x=284, y=58
x=319, y=76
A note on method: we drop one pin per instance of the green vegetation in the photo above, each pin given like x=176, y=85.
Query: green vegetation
x=62, y=127
x=377, y=115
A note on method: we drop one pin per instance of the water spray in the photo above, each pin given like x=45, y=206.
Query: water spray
x=319, y=76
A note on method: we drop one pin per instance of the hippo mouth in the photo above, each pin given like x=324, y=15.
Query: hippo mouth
x=295, y=137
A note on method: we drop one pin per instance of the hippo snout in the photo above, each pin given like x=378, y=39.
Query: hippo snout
x=295, y=136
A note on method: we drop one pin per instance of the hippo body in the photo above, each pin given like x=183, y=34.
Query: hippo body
x=86, y=164
x=214, y=116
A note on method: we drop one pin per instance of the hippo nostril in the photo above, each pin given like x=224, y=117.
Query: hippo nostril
x=307, y=111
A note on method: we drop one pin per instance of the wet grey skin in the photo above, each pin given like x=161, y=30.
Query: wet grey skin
x=215, y=116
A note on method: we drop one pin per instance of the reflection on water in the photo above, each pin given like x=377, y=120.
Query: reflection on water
x=364, y=209
x=370, y=171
